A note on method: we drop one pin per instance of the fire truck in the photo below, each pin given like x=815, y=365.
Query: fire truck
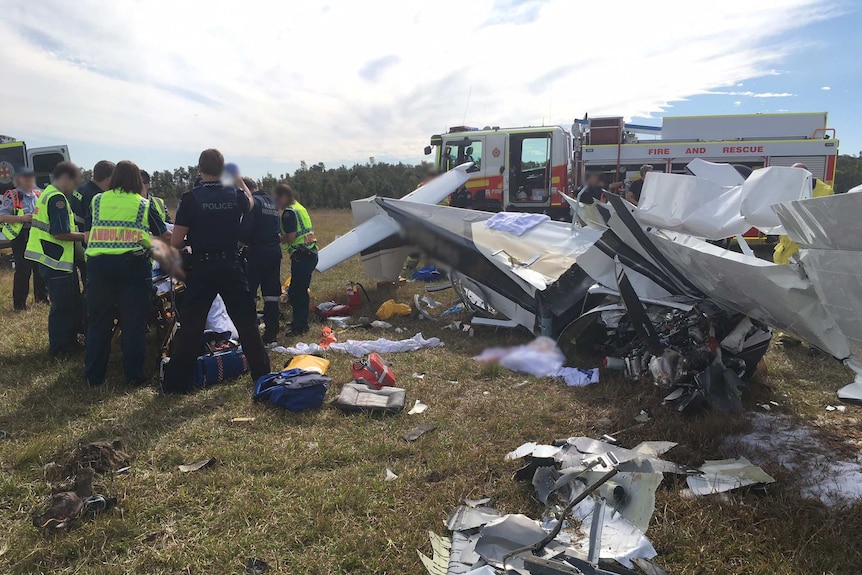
x=526, y=169
x=15, y=155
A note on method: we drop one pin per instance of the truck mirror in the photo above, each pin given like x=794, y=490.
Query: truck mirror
x=428, y=150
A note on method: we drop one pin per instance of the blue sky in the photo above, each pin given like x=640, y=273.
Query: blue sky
x=339, y=81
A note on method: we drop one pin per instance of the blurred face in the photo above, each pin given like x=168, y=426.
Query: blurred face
x=282, y=202
x=66, y=184
x=146, y=190
x=26, y=183
x=592, y=181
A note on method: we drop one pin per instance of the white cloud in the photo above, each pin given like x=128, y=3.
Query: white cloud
x=290, y=80
x=826, y=88
x=737, y=103
x=755, y=94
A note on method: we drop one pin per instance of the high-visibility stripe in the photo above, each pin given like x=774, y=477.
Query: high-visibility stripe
x=270, y=298
x=41, y=226
x=49, y=262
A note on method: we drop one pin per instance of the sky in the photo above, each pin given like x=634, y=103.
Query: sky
x=339, y=81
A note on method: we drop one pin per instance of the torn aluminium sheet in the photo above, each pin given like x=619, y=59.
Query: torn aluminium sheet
x=828, y=233
x=708, y=207
x=726, y=475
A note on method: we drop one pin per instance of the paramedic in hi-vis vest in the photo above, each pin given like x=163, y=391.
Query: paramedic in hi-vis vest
x=787, y=248
x=119, y=273
x=158, y=203
x=298, y=236
x=16, y=213
x=52, y=245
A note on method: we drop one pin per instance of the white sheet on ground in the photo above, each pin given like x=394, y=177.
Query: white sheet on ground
x=539, y=358
x=218, y=320
x=361, y=348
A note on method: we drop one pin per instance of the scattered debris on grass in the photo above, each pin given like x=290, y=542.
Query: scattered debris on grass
x=256, y=566
x=389, y=476
x=198, y=465
x=418, y=407
x=242, y=420
x=419, y=431
x=62, y=510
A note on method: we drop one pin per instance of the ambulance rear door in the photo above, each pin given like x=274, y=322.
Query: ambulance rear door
x=43, y=161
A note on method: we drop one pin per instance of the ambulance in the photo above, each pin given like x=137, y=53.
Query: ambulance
x=526, y=169
x=15, y=155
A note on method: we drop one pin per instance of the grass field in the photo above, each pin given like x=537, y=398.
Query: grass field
x=306, y=493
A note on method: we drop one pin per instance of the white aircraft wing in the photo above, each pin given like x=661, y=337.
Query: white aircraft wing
x=380, y=226
x=359, y=238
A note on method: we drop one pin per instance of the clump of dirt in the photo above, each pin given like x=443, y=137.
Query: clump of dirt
x=100, y=456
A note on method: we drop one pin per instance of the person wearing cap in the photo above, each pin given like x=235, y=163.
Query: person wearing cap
x=16, y=215
x=297, y=234
x=157, y=202
x=52, y=245
x=208, y=220
x=787, y=248
x=635, y=189
x=259, y=231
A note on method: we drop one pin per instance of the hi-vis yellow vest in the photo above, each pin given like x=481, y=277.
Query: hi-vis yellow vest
x=11, y=231
x=120, y=224
x=40, y=234
x=160, y=206
x=304, y=230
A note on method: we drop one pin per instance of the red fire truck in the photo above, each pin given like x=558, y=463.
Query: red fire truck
x=526, y=169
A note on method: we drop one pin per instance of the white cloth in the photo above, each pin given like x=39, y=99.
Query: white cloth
x=540, y=358
x=362, y=348
x=517, y=224
x=218, y=320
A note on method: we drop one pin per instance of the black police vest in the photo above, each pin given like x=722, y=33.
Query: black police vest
x=217, y=228
x=267, y=223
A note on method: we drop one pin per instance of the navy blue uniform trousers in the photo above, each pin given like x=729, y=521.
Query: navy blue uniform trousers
x=206, y=279
x=117, y=285
x=264, y=272
x=302, y=264
x=66, y=315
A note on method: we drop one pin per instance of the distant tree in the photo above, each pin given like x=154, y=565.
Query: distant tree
x=848, y=173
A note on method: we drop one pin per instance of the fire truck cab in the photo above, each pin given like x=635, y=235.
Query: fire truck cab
x=617, y=150
x=15, y=155
x=527, y=169
x=519, y=169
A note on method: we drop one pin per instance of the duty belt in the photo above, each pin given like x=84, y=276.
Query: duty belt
x=214, y=256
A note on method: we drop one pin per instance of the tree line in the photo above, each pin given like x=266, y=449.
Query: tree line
x=317, y=185
x=322, y=187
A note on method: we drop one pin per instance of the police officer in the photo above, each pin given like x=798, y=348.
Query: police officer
x=52, y=246
x=82, y=199
x=16, y=213
x=209, y=217
x=119, y=272
x=157, y=202
x=298, y=236
x=260, y=230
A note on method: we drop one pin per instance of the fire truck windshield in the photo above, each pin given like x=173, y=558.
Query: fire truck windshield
x=457, y=153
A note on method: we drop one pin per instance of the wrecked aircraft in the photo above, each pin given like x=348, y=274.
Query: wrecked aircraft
x=676, y=305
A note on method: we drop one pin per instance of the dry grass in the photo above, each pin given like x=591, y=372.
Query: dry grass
x=326, y=509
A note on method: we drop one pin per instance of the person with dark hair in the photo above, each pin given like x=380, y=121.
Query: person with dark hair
x=592, y=191
x=119, y=272
x=259, y=230
x=82, y=199
x=158, y=203
x=208, y=219
x=297, y=234
x=52, y=245
x=16, y=215
x=634, y=193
